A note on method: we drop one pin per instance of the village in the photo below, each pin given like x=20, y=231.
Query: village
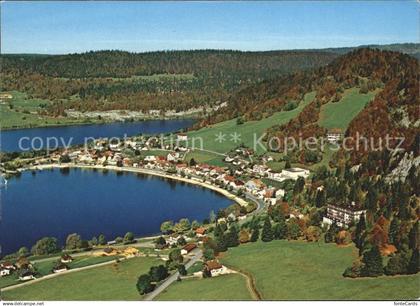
x=242, y=181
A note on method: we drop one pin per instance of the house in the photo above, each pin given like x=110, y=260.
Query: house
x=150, y=158
x=188, y=248
x=295, y=173
x=254, y=185
x=181, y=137
x=172, y=157
x=5, y=96
x=26, y=275
x=200, y=232
x=4, y=272
x=334, y=135
x=237, y=184
x=7, y=265
x=66, y=258
x=343, y=216
x=60, y=267
x=280, y=193
x=215, y=268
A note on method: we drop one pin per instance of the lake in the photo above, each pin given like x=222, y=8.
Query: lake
x=88, y=202
x=77, y=133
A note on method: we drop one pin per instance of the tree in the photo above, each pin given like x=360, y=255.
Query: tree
x=94, y=241
x=73, y=241
x=195, y=224
x=393, y=231
x=244, y=236
x=212, y=217
x=320, y=199
x=360, y=228
x=267, y=231
x=220, y=239
x=372, y=261
x=414, y=264
x=182, y=226
x=129, y=237
x=175, y=256
x=413, y=237
x=193, y=163
x=280, y=229
x=182, y=271
x=354, y=270
x=313, y=233
x=287, y=165
x=397, y=264
x=101, y=239
x=44, y=246
x=167, y=227
x=181, y=241
x=160, y=242
x=144, y=284
x=208, y=254
x=158, y=273
x=331, y=233
x=255, y=234
x=23, y=251
x=293, y=229
x=232, y=236
x=300, y=183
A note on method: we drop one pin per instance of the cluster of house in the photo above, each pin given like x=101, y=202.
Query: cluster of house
x=23, y=266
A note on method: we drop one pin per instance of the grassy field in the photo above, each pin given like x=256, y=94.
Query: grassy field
x=222, y=288
x=341, y=113
x=112, y=282
x=293, y=270
x=246, y=131
x=25, y=113
x=206, y=157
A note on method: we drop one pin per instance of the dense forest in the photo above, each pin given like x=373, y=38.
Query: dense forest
x=168, y=80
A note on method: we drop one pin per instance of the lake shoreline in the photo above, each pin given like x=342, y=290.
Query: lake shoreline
x=99, y=122
x=191, y=181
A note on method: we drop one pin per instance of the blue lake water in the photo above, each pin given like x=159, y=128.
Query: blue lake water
x=89, y=203
x=9, y=140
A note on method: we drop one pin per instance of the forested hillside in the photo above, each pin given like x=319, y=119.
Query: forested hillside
x=177, y=80
x=389, y=76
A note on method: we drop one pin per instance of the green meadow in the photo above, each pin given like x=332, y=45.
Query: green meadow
x=340, y=114
x=112, y=282
x=230, y=287
x=298, y=270
x=247, y=132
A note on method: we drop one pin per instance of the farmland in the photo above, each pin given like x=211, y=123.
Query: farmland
x=111, y=282
x=290, y=270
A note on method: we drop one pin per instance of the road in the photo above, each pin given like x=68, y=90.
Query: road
x=145, y=244
x=150, y=296
x=260, y=203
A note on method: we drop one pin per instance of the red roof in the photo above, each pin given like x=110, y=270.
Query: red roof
x=200, y=230
x=189, y=247
x=229, y=178
x=213, y=265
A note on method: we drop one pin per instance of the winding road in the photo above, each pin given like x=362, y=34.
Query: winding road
x=197, y=253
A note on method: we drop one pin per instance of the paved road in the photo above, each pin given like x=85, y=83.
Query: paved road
x=197, y=254
x=260, y=203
